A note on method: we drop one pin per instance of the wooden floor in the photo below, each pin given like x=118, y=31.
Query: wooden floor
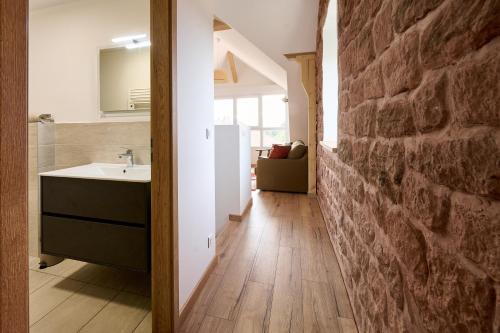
x=277, y=273
x=74, y=296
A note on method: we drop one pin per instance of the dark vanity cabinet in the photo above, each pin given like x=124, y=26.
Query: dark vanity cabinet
x=99, y=221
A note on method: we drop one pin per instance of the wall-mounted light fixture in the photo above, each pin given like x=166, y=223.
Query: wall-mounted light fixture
x=133, y=41
x=132, y=38
x=136, y=45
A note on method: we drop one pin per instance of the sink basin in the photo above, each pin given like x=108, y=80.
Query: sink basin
x=105, y=171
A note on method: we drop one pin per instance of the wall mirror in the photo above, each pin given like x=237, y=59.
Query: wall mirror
x=124, y=75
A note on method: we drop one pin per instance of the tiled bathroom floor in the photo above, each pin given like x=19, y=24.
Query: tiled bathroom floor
x=74, y=296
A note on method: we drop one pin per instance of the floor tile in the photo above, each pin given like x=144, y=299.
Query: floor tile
x=76, y=311
x=123, y=314
x=51, y=295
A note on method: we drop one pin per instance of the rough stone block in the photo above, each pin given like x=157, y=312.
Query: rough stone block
x=358, y=54
x=368, y=85
x=426, y=202
x=455, y=299
x=408, y=12
x=361, y=14
x=345, y=10
x=377, y=298
x=458, y=29
x=364, y=50
x=346, y=123
x=382, y=28
x=356, y=188
x=395, y=119
x=429, y=103
x=364, y=226
x=345, y=151
x=400, y=65
x=373, y=82
x=408, y=242
x=394, y=280
x=376, y=206
x=344, y=101
x=387, y=168
x=356, y=91
x=475, y=87
x=475, y=231
x=468, y=163
x=363, y=118
x=360, y=155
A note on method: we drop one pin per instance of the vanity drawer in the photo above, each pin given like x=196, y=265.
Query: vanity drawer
x=126, y=202
x=96, y=242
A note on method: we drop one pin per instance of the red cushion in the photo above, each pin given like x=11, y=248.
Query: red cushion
x=279, y=152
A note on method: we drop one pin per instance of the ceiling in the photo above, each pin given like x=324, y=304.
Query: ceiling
x=40, y=4
x=276, y=27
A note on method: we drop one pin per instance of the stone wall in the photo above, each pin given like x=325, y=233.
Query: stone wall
x=412, y=195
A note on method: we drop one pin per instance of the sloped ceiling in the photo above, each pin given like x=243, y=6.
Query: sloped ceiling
x=276, y=27
x=251, y=55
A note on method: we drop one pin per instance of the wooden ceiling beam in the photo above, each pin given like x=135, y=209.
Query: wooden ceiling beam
x=219, y=25
x=220, y=76
x=232, y=65
x=292, y=56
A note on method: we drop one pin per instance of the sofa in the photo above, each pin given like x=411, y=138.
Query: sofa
x=284, y=175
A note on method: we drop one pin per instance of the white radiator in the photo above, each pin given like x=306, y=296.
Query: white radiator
x=139, y=99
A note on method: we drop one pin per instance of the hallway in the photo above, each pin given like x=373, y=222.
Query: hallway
x=277, y=272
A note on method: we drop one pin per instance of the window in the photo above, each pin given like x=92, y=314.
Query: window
x=273, y=136
x=255, y=138
x=330, y=77
x=273, y=111
x=266, y=115
x=223, y=111
x=248, y=111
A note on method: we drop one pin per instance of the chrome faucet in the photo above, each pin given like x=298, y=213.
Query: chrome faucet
x=129, y=155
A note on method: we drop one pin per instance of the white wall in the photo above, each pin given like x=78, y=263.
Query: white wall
x=196, y=188
x=297, y=103
x=245, y=168
x=64, y=43
x=232, y=172
x=227, y=182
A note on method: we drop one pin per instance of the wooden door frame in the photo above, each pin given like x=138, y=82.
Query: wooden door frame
x=165, y=286
x=14, y=289
x=13, y=166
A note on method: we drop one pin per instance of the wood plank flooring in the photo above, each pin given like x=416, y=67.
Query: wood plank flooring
x=277, y=273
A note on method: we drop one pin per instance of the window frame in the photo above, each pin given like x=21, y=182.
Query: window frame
x=331, y=111
x=260, y=127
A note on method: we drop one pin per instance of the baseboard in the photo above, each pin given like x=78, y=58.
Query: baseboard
x=239, y=218
x=188, y=306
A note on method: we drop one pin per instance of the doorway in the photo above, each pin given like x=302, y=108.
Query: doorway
x=13, y=173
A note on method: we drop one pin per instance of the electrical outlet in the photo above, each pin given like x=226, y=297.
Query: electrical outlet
x=211, y=240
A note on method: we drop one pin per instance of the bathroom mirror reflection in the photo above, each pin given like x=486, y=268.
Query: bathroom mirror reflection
x=125, y=79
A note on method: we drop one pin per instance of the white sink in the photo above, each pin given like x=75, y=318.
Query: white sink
x=105, y=171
